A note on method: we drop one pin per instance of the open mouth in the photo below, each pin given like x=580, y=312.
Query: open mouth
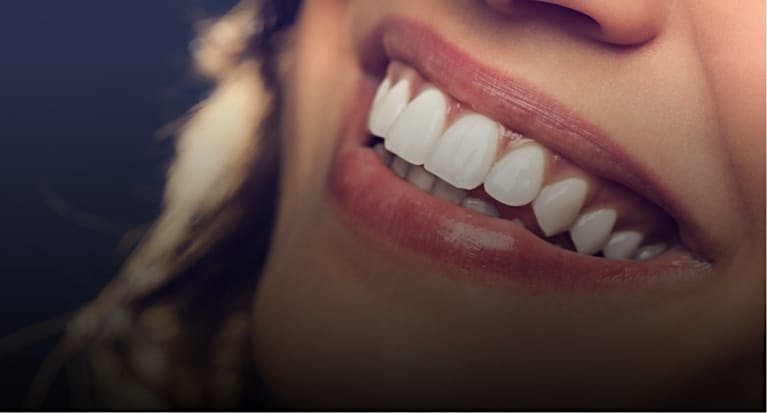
x=440, y=146
x=438, y=173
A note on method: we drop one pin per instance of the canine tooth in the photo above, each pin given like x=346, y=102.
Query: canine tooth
x=420, y=178
x=558, y=204
x=447, y=192
x=649, y=252
x=464, y=153
x=622, y=245
x=516, y=178
x=416, y=129
x=592, y=229
x=384, y=155
x=387, y=106
x=400, y=167
x=481, y=206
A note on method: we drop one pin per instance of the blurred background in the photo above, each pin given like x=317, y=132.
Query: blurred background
x=85, y=88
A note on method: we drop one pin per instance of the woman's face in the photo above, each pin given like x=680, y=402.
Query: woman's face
x=555, y=130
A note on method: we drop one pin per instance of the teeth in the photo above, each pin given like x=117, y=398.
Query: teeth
x=555, y=208
x=400, y=167
x=447, y=192
x=465, y=152
x=381, y=93
x=622, y=245
x=384, y=155
x=516, y=179
x=416, y=129
x=387, y=105
x=420, y=178
x=449, y=162
x=650, y=251
x=481, y=206
x=592, y=229
x=558, y=204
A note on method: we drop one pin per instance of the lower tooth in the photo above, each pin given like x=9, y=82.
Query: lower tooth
x=399, y=166
x=481, y=206
x=420, y=178
x=622, y=245
x=447, y=192
x=649, y=252
x=384, y=155
x=592, y=229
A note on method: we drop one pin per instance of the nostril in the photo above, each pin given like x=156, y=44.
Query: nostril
x=571, y=19
x=623, y=23
x=556, y=15
x=532, y=8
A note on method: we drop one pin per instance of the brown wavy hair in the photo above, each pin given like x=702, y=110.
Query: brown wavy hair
x=173, y=329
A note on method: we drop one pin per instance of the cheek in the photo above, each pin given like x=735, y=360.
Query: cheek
x=740, y=100
x=319, y=80
x=733, y=52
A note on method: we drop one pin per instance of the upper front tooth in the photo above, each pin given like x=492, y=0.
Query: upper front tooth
x=622, y=245
x=558, y=204
x=387, y=105
x=465, y=152
x=416, y=129
x=516, y=179
x=591, y=230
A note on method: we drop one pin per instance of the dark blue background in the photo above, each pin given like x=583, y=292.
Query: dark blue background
x=84, y=87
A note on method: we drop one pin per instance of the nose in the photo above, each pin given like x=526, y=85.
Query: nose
x=619, y=22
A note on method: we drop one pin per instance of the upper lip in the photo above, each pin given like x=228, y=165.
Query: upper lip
x=525, y=109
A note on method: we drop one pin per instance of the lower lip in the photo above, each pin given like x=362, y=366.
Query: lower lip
x=379, y=205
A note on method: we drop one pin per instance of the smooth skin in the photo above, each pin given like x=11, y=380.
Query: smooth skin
x=343, y=322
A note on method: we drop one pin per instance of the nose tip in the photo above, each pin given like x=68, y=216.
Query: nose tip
x=624, y=22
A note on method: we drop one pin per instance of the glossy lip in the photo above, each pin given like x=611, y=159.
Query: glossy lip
x=375, y=201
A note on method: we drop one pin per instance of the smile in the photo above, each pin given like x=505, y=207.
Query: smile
x=445, y=149
x=446, y=173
